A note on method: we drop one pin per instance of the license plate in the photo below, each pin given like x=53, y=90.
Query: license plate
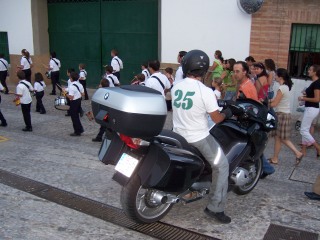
x=126, y=164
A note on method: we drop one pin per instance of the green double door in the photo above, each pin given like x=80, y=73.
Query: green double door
x=86, y=31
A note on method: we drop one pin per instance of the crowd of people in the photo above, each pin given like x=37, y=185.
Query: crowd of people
x=227, y=79
x=73, y=93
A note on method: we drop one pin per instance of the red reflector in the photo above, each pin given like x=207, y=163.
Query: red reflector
x=106, y=118
x=128, y=141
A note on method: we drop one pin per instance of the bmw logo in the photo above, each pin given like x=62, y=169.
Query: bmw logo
x=106, y=96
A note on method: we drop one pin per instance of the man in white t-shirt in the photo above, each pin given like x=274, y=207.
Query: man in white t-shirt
x=191, y=102
x=157, y=80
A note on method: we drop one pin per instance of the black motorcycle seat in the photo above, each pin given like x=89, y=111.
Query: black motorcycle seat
x=170, y=137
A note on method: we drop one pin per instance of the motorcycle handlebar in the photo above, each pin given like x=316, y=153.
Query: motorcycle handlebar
x=236, y=110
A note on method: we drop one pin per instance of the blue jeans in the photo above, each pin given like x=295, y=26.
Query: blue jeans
x=266, y=166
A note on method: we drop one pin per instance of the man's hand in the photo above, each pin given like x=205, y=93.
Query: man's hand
x=227, y=112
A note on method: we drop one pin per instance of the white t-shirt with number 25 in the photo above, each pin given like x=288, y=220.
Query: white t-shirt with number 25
x=191, y=101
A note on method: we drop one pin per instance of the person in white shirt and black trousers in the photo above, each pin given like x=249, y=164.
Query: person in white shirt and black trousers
x=4, y=72
x=39, y=86
x=83, y=79
x=74, y=95
x=116, y=63
x=2, y=119
x=23, y=92
x=54, y=68
x=26, y=64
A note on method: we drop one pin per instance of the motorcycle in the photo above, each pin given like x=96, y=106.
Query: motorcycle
x=157, y=168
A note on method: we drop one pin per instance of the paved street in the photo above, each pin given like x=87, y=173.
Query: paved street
x=49, y=155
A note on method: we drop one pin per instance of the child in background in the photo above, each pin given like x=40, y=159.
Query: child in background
x=82, y=79
x=74, y=95
x=23, y=90
x=103, y=83
x=65, y=90
x=139, y=80
x=168, y=73
x=113, y=80
x=218, y=88
x=39, y=86
x=145, y=70
x=219, y=93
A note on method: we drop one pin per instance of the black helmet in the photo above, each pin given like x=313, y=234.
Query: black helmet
x=195, y=62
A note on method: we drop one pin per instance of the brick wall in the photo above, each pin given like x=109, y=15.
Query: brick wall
x=271, y=27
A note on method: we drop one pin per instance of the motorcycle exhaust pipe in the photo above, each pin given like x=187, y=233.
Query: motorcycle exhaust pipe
x=161, y=197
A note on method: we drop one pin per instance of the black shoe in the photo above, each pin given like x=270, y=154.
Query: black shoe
x=96, y=139
x=42, y=112
x=26, y=129
x=312, y=195
x=37, y=110
x=219, y=216
x=52, y=93
x=264, y=175
x=4, y=124
x=75, y=134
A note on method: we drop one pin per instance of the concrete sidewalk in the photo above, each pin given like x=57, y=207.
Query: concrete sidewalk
x=50, y=155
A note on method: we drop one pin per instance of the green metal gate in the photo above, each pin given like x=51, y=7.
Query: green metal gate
x=4, y=46
x=85, y=31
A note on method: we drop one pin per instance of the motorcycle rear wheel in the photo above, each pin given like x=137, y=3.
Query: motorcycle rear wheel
x=254, y=174
x=136, y=205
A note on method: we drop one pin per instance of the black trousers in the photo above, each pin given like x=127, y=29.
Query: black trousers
x=84, y=84
x=75, y=106
x=27, y=72
x=3, y=77
x=102, y=130
x=117, y=74
x=107, y=131
x=26, y=114
x=39, y=107
x=2, y=119
x=55, y=78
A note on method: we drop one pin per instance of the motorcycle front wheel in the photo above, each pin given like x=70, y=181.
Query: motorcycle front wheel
x=255, y=170
x=137, y=203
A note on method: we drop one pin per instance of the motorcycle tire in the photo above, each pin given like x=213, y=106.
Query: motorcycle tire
x=245, y=189
x=135, y=204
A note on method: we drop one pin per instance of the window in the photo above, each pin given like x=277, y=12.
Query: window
x=304, y=49
x=4, y=46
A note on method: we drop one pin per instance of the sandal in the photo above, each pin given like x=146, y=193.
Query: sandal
x=298, y=160
x=272, y=162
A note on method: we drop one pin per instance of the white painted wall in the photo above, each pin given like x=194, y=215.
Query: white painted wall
x=207, y=25
x=15, y=18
